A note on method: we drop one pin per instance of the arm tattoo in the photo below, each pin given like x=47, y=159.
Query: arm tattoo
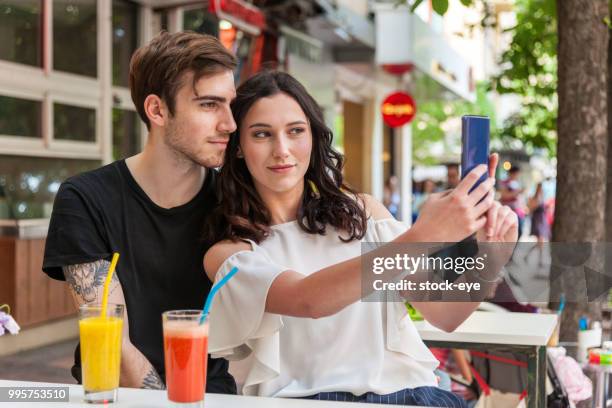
x=152, y=381
x=85, y=279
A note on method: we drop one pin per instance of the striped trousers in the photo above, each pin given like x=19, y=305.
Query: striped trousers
x=420, y=396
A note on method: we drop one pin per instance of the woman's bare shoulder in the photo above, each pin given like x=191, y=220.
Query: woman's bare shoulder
x=374, y=208
x=218, y=253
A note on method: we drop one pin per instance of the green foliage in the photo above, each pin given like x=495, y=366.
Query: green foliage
x=530, y=71
x=414, y=6
x=435, y=115
x=440, y=6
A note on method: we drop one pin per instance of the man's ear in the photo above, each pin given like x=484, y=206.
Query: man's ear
x=156, y=110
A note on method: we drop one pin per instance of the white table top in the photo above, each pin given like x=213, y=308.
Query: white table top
x=527, y=329
x=138, y=398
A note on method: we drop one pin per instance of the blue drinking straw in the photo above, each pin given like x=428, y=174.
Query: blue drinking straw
x=561, y=305
x=213, y=291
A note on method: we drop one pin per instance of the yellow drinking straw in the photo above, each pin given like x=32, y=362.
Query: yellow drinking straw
x=111, y=270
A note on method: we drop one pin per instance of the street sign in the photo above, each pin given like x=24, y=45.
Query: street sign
x=398, y=109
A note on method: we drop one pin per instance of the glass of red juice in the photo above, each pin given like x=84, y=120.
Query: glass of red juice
x=185, y=356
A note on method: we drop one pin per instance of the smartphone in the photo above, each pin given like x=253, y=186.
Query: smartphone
x=474, y=145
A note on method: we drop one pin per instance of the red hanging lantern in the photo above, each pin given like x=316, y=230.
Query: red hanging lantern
x=398, y=69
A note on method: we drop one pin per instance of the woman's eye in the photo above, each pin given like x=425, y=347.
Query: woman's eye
x=260, y=134
x=296, y=131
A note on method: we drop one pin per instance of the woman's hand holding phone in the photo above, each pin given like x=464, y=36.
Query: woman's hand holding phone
x=502, y=222
x=453, y=215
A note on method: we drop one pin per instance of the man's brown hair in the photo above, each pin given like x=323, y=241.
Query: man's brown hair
x=157, y=68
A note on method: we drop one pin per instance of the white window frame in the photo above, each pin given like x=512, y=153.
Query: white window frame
x=176, y=15
x=21, y=144
x=88, y=149
x=181, y=13
x=122, y=94
x=49, y=86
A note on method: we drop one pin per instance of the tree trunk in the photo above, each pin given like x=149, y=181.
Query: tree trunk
x=608, y=216
x=582, y=127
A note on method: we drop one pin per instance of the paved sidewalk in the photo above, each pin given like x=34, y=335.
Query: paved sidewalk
x=50, y=363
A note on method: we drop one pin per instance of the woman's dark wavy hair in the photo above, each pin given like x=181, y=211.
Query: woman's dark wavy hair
x=241, y=214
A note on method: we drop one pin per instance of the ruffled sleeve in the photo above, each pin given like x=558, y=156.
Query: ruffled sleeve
x=402, y=335
x=387, y=229
x=239, y=325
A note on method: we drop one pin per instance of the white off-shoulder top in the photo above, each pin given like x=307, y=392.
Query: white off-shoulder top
x=366, y=347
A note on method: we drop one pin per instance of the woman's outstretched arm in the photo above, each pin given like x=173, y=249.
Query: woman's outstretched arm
x=460, y=213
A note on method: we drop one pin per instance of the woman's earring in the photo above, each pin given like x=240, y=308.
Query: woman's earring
x=314, y=189
x=239, y=154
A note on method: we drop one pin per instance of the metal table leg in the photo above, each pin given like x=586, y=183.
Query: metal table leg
x=532, y=379
x=602, y=385
x=536, y=365
x=541, y=396
x=536, y=377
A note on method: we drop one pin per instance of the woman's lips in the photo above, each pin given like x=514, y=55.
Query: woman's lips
x=282, y=168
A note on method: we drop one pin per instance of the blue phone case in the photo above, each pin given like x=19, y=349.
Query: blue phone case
x=474, y=144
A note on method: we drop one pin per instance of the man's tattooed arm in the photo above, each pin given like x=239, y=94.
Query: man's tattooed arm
x=86, y=282
x=152, y=381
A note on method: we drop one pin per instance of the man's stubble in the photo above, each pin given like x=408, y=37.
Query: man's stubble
x=185, y=152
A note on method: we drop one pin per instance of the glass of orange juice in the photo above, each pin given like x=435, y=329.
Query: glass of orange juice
x=185, y=355
x=100, y=351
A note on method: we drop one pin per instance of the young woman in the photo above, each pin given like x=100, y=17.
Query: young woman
x=294, y=230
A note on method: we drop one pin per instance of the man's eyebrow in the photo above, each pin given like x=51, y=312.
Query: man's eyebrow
x=210, y=98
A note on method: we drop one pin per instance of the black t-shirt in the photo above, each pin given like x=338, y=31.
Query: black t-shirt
x=161, y=251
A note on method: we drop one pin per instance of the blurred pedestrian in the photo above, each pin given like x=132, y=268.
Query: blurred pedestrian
x=428, y=187
x=391, y=195
x=417, y=189
x=452, y=175
x=539, y=222
x=512, y=195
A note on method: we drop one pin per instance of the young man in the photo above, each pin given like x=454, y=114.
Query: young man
x=151, y=207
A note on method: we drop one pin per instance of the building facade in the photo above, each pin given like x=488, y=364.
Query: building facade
x=65, y=106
